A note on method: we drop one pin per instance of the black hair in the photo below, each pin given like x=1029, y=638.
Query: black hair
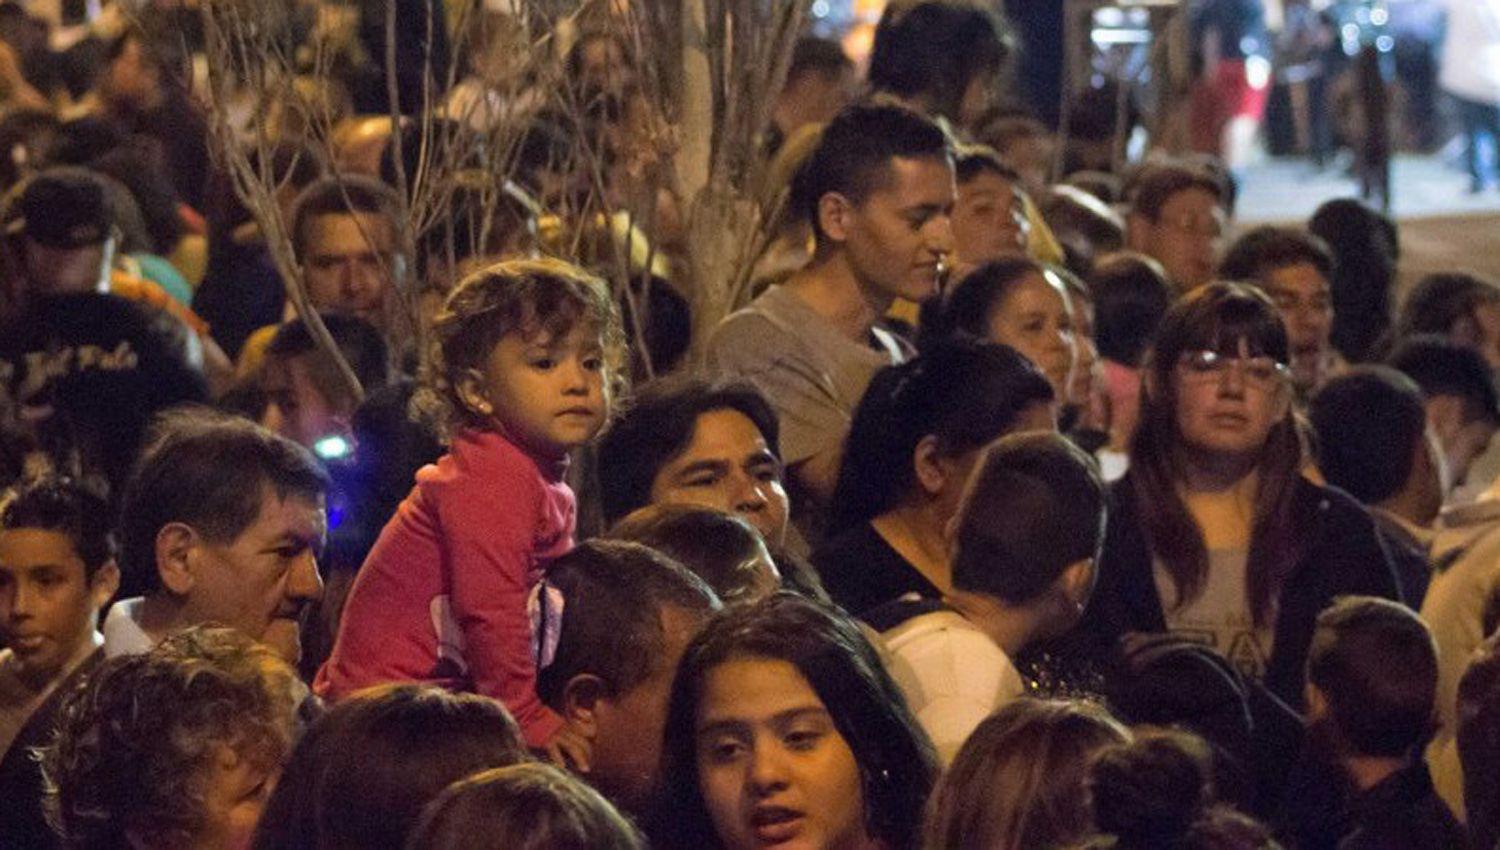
x=967, y=306
x=1034, y=506
x=970, y=161
x=347, y=194
x=964, y=392
x=1365, y=246
x=68, y=508
x=1376, y=665
x=823, y=55
x=210, y=471
x=140, y=168
x=1440, y=301
x=658, y=426
x=896, y=761
x=1131, y=296
x=1156, y=793
x=613, y=594
x=1263, y=250
x=854, y=155
x=1441, y=366
x=1367, y=420
x=718, y=547
x=932, y=49
x=362, y=773
x=361, y=344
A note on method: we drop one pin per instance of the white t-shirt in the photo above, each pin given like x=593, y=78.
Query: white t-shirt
x=1219, y=616
x=952, y=674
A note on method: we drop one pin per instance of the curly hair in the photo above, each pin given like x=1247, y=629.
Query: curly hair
x=529, y=297
x=136, y=741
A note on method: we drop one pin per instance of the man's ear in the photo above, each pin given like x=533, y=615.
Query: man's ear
x=175, y=545
x=1445, y=415
x=925, y=461
x=580, y=703
x=1137, y=232
x=834, y=211
x=1077, y=582
x=1317, y=703
x=104, y=584
x=470, y=389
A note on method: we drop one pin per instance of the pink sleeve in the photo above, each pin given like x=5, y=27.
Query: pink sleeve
x=489, y=530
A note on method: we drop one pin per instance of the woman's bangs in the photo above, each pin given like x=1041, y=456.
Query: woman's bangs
x=1239, y=319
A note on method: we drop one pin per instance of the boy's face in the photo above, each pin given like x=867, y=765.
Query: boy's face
x=295, y=407
x=546, y=392
x=48, y=608
x=988, y=220
x=1184, y=238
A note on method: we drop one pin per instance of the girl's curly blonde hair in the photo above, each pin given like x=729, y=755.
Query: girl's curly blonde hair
x=543, y=296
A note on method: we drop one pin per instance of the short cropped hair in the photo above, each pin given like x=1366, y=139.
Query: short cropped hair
x=718, y=547
x=1158, y=182
x=658, y=426
x=523, y=807
x=1376, y=664
x=1034, y=506
x=970, y=161
x=210, y=471
x=613, y=594
x=1263, y=250
x=136, y=739
x=347, y=194
x=1367, y=421
x=1131, y=297
x=514, y=296
x=854, y=155
x=1441, y=366
x=358, y=341
x=68, y=508
x=932, y=49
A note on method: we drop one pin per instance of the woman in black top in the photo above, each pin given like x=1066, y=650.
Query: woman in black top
x=1215, y=534
x=916, y=435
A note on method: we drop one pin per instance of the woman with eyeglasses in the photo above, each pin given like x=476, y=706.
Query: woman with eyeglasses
x=1216, y=534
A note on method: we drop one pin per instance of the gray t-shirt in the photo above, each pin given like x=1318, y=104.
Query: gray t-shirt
x=812, y=374
x=1219, y=616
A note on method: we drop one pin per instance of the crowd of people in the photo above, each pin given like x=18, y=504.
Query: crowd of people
x=1010, y=512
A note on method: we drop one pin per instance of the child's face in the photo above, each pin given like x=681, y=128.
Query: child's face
x=547, y=393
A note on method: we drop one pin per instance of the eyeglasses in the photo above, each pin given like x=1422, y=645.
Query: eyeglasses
x=1203, y=367
x=1205, y=227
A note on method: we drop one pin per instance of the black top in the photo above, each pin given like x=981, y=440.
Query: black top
x=1340, y=553
x=88, y=372
x=861, y=571
x=23, y=821
x=1403, y=813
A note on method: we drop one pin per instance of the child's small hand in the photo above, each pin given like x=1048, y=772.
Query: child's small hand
x=570, y=749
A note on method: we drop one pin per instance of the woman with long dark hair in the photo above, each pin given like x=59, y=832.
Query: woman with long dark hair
x=916, y=435
x=783, y=726
x=1215, y=531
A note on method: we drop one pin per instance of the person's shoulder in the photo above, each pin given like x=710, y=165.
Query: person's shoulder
x=762, y=326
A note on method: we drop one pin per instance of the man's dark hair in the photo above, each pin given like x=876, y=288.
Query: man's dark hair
x=347, y=194
x=658, y=426
x=932, y=49
x=1375, y=663
x=1441, y=366
x=1158, y=182
x=1439, y=301
x=1034, y=506
x=822, y=55
x=68, y=508
x=970, y=161
x=613, y=594
x=854, y=155
x=210, y=471
x=1367, y=420
x=1131, y=296
x=358, y=340
x=1263, y=250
